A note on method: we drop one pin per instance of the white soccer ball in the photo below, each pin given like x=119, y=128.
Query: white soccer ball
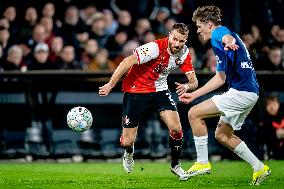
x=79, y=119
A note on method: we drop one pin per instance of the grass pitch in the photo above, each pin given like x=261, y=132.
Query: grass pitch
x=225, y=174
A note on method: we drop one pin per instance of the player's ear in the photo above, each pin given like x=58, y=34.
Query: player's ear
x=210, y=25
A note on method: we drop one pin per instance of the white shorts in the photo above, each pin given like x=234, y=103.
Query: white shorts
x=234, y=106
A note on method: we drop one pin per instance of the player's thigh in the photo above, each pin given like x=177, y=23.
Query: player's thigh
x=205, y=109
x=171, y=119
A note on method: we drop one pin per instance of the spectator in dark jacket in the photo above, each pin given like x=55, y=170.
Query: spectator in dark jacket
x=14, y=59
x=271, y=130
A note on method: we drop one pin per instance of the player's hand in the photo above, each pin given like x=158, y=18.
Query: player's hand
x=181, y=88
x=105, y=89
x=231, y=46
x=186, y=98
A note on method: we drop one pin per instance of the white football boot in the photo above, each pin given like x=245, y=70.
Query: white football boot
x=127, y=161
x=178, y=170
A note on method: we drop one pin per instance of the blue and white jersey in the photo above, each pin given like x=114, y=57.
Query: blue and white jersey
x=237, y=65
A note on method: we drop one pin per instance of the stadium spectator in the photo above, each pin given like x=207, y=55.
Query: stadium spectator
x=89, y=53
x=73, y=25
x=101, y=62
x=56, y=47
x=39, y=35
x=14, y=59
x=148, y=37
x=5, y=38
x=141, y=27
x=87, y=13
x=10, y=14
x=271, y=128
x=127, y=50
x=48, y=10
x=169, y=22
x=98, y=30
x=39, y=60
x=25, y=29
x=125, y=22
x=158, y=24
x=4, y=23
x=272, y=61
x=111, y=23
x=115, y=44
x=68, y=59
x=182, y=10
x=47, y=22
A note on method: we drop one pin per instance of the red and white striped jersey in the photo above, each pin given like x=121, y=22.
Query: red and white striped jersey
x=155, y=62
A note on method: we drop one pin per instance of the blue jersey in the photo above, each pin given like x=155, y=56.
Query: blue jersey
x=237, y=65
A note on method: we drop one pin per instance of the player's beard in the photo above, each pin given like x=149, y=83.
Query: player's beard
x=174, y=50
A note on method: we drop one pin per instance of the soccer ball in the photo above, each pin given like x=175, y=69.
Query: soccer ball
x=79, y=119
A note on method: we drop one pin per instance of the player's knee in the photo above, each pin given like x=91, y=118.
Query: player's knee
x=192, y=114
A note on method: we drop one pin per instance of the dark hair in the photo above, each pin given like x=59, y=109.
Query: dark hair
x=208, y=14
x=180, y=28
x=274, y=96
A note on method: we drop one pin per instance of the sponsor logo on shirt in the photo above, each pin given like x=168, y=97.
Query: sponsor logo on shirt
x=247, y=65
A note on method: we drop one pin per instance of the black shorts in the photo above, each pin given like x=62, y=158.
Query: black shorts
x=135, y=105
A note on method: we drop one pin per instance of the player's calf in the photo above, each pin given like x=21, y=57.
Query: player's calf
x=175, y=143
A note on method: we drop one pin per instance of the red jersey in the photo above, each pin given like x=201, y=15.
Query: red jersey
x=155, y=62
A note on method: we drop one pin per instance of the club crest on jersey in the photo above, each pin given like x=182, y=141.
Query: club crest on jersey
x=178, y=61
x=126, y=120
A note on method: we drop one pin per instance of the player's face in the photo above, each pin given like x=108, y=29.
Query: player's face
x=204, y=29
x=176, y=41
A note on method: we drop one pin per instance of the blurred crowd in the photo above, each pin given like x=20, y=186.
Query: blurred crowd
x=98, y=35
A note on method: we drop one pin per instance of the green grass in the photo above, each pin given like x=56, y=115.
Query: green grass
x=225, y=174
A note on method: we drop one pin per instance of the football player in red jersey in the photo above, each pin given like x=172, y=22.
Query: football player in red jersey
x=145, y=89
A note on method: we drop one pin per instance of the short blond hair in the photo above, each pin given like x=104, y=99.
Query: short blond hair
x=208, y=14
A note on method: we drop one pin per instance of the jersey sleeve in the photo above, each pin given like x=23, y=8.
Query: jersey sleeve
x=147, y=52
x=219, y=33
x=186, y=66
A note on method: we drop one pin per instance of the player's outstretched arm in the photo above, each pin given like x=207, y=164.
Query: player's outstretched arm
x=214, y=83
x=122, y=68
